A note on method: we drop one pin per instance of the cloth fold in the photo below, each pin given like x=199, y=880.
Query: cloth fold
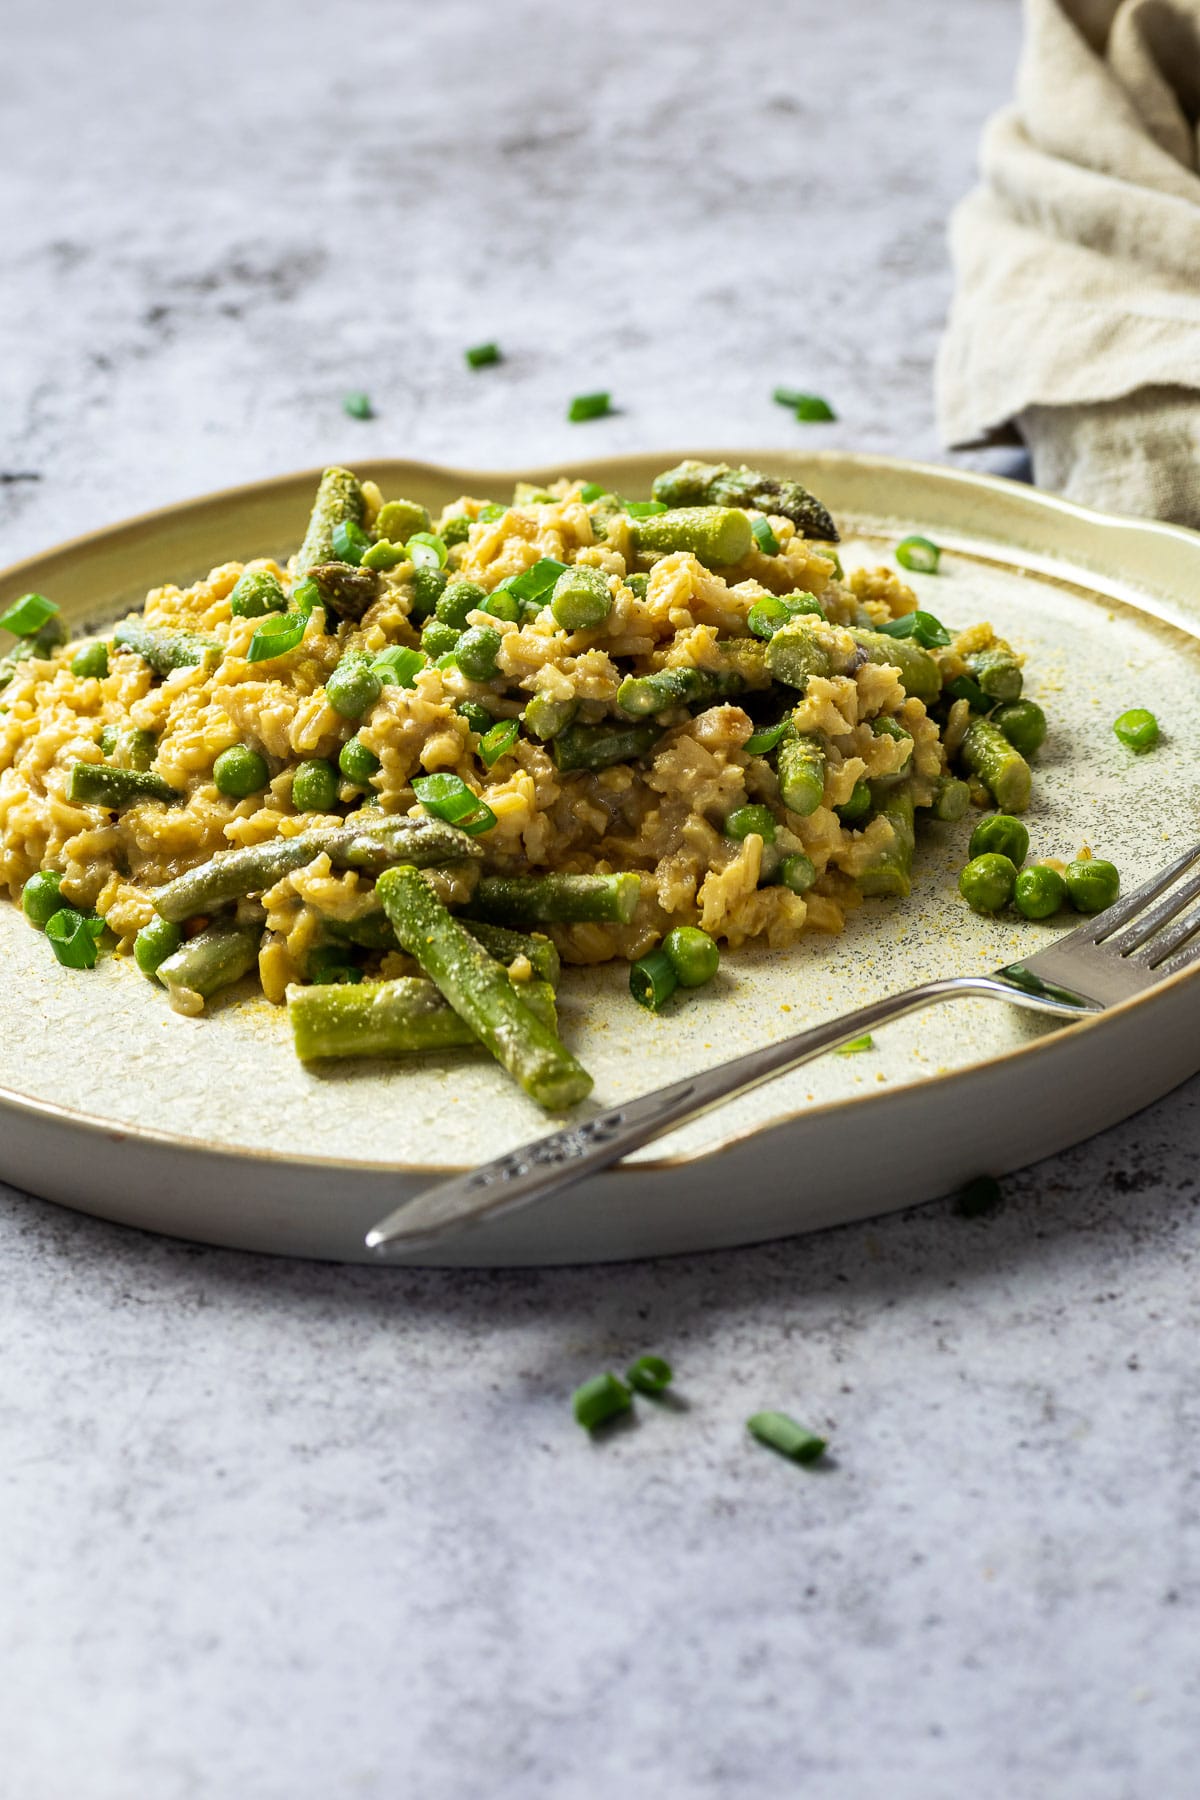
x=1076, y=319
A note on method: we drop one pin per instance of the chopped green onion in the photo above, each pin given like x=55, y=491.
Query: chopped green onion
x=588, y=406
x=599, y=1400
x=276, y=636
x=591, y=490
x=919, y=554
x=643, y=509
x=652, y=980
x=810, y=409
x=789, y=397
x=398, y=666
x=480, y=355
x=448, y=797
x=1137, y=729
x=791, y=1439
x=350, y=542
x=358, y=405
x=768, y=739
x=927, y=631
x=963, y=688
x=532, y=584
x=426, y=550
x=744, y=820
x=501, y=603
x=487, y=515
x=979, y=1198
x=764, y=537
x=477, y=717
x=73, y=937
x=27, y=615
x=305, y=595
x=498, y=740
x=771, y=614
x=855, y=1046
x=649, y=1374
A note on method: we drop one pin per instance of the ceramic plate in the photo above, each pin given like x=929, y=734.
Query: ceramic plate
x=211, y=1129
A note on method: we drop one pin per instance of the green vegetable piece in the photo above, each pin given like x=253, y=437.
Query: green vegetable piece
x=339, y=500
x=801, y=770
x=39, y=897
x=764, y=537
x=74, y=937
x=856, y=1046
x=478, y=717
x=744, y=820
x=638, y=585
x=332, y=965
x=891, y=872
x=988, y=882
x=1040, y=892
x=134, y=749
x=476, y=652
x=795, y=653
x=425, y=549
x=480, y=992
x=506, y=946
x=164, y=650
x=1137, y=729
x=357, y=405
x=919, y=673
x=343, y=1016
x=280, y=634
x=951, y=799
x=600, y=746
x=426, y=587
x=644, y=696
x=154, y=943
x=533, y=585
x=1024, y=725
x=1002, y=835
x=256, y=593
x=489, y=514
x=350, y=542
x=457, y=600
x=797, y=872
x=760, y=743
x=529, y=901
x=353, y=686
x=581, y=599
x=1092, y=884
x=987, y=754
x=384, y=555
x=919, y=554
x=694, y=483
x=455, y=530
x=357, y=762
x=997, y=672
x=693, y=955
x=91, y=662
x=588, y=406
x=502, y=603
x=98, y=784
x=438, y=640
x=810, y=409
x=857, y=806
x=929, y=632
x=398, y=520
x=399, y=666
x=215, y=958
x=963, y=688
x=591, y=490
x=498, y=741
x=448, y=797
x=315, y=786
x=600, y=1400
x=780, y=1432
x=771, y=614
x=239, y=772
x=979, y=1198
x=28, y=615
x=481, y=356
x=649, y=1375
x=653, y=979
x=344, y=589
x=717, y=536
x=545, y=718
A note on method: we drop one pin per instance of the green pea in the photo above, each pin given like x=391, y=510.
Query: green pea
x=1040, y=891
x=457, y=600
x=92, y=660
x=398, y=519
x=746, y=819
x=1137, y=729
x=239, y=772
x=39, y=897
x=256, y=593
x=544, y=718
x=1092, y=885
x=357, y=762
x=476, y=652
x=455, y=530
x=857, y=806
x=987, y=883
x=154, y=943
x=428, y=585
x=581, y=599
x=353, y=686
x=1001, y=834
x=797, y=872
x=1023, y=723
x=437, y=640
x=637, y=585
x=694, y=956
x=314, y=787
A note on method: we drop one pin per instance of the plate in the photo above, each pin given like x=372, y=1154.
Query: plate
x=210, y=1129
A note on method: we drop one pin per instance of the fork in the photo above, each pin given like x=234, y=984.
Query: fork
x=1133, y=945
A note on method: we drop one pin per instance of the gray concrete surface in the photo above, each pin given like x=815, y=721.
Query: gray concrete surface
x=269, y=1529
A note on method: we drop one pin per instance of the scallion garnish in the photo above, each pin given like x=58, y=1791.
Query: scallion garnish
x=643, y=509
x=652, y=980
x=532, y=583
x=810, y=409
x=426, y=550
x=358, y=405
x=600, y=1399
x=963, y=688
x=276, y=636
x=927, y=631
x=764, y=537
x=73, y=937
x=398, y=666
x=487, y=515
x=856, y=1046
x=27, y=615
x=791, y=1439
x=480, y=355
x=498, y=740
x=588, y=406
x=591, y=490
x=350, y=542
x=446, y=796
x=305, y=595
x=649, y=1374
x=919, y=554
x=767, y=739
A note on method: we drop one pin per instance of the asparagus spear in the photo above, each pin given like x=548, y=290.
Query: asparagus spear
x=373, y=847
x=344, y=588
x=165, y=649
x=100, y=784
x=801, y=770
x=599, y=746
x=530, y=900
x=339, y=501
x=373, y=931
x=998, y=673
x=718, y=484
x=951, y=798
x=480, y=992
x=390, y=1018
x=716, y=535
x=987, y=754
x=919, y=673
x=213, y=959
x=796, y=652
x=891, y=871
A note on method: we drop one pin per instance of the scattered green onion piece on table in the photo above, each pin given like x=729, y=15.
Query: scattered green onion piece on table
x=277, y=637
x=498, y=740
x=1137, y=729
x=1023, y=723
x=448, y=797
x=791, y=1439
x=744, y=820
x=1040, y=892
x=588, y=406
x=73, y=938
x=649, y=1374
x=255, y=594
x=39, y=897
x=789, y=397
x=26, y=616
x=856, y=1046
x=581, y=599
x=919, y=554
x=90, y=662
x=597, y=1401
x=1092, y=884
x=314, y=786
x=358, y=762
x=653, y=979
x=988, y=882
x=239, y=772
x=398, y=666
x=1002, y=834
x=480, y=356
x=764, y=537
x=769, y=738
x=357, y=405
x=693, y=955
x=979, y=1198
x=154, y=943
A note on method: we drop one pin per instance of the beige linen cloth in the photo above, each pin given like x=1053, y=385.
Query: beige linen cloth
x=1076, y=320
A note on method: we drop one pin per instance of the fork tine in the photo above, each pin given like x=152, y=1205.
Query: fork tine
x=1102, y=926
x=1171, y=941
x=1183, y=959
x=1145, y=926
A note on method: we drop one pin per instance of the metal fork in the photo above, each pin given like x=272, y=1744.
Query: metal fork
x=1151, y=934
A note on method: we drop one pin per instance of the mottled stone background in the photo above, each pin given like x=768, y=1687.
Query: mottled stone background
x=276, y=1530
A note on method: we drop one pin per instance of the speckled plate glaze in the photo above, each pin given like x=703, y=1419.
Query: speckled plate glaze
x=210, y=1129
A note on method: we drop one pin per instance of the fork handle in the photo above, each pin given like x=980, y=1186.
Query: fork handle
x=551, y=1163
